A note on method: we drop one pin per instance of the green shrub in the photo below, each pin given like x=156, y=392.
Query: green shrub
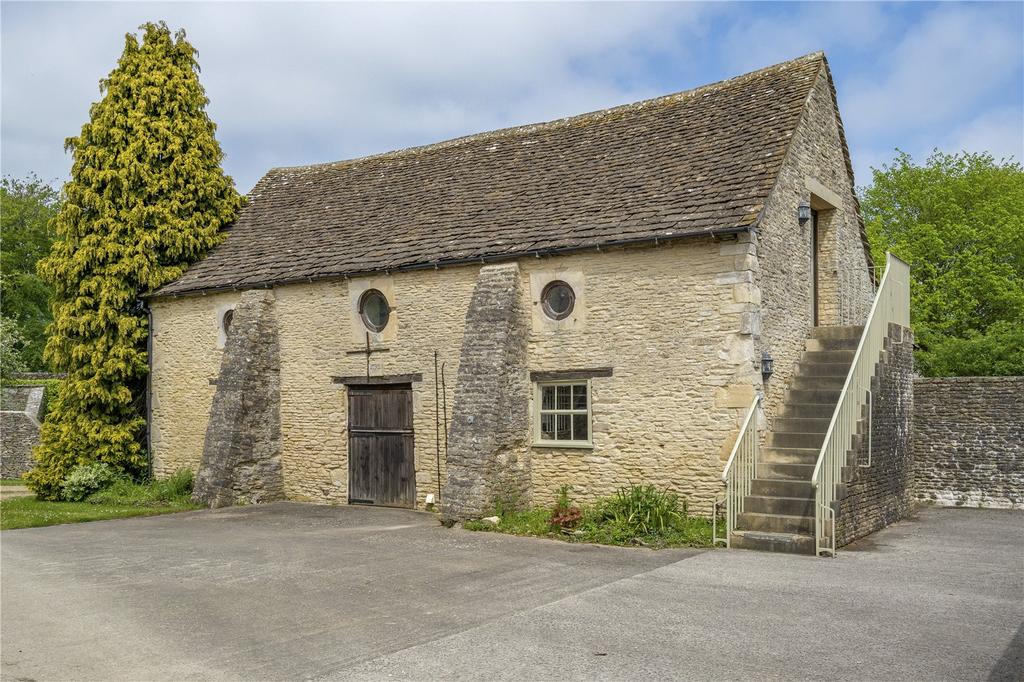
x=174, y=490
x=640, y=510
x=85, y=479
x=634, y=516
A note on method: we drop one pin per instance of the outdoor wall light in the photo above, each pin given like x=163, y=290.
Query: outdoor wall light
x=767, y=365
x=803, y=212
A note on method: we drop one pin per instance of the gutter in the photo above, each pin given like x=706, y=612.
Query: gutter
x=434, y=265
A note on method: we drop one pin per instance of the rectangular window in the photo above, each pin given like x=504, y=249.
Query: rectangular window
x=563, y=414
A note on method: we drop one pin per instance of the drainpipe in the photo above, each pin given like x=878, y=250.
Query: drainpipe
x=149, y=389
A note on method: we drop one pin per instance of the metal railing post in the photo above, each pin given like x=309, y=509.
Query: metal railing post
x=740, y=469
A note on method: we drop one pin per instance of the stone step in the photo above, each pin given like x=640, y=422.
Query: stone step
x=785, y=506
x=815, y=396
x=837, y=332
x=801, y=425
x=823, y=369
x=788, y=472
x=841, y=343
x=827, y=356
x=777, y=487
x=780, y=455
x=775, y=523
x=811, y=383
x=794, y=439
x=806, y=411
x=789, y=543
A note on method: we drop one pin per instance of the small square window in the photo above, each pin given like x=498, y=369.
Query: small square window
x=563, y=414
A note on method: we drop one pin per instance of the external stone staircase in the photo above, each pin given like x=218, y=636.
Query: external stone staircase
x=778, y=515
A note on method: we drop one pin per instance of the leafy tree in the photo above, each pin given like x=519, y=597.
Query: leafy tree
x=11, y=343
x=147, y=197
x=26, y=209
x=959, y=221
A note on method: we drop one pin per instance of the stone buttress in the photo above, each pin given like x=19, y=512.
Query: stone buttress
x=241, y=460
x=488, y=448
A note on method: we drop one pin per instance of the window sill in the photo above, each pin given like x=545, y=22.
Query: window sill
x=563, y=444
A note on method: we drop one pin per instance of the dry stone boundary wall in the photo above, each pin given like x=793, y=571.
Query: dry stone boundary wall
x=21, y=410
x=969, y=441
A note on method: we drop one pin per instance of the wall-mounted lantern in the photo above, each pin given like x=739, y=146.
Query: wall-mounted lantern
x=767, y=365
x=803, y=213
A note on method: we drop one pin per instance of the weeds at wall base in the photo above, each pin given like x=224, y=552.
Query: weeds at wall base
x=638, y=516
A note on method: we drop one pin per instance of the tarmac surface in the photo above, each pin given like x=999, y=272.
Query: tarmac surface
x=291, y=591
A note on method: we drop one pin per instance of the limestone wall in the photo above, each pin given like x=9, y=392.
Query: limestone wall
x=321, y=339
x=675, y=324
x=880, y=494
x=187, y=346
x=815, y=171
x=969, y=441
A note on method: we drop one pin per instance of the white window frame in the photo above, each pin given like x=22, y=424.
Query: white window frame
x=540, y=442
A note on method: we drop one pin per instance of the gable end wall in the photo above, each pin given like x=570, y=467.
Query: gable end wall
x=845, y=289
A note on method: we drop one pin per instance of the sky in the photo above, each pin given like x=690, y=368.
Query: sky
x=300, y=83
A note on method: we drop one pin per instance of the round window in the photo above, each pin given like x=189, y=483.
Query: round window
x=374, y=309
x=558, y=299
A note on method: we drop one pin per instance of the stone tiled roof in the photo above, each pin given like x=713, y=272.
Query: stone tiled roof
x=685, y=164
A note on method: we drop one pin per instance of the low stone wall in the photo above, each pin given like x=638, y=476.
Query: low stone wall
x=880, y=494
x=21, y=410
x=969, y=441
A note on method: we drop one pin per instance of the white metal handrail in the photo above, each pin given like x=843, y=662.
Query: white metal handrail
x=891, y=305
x=740, y=470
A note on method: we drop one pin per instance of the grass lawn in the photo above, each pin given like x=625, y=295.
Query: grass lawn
x=11, y=481
x=28, y=512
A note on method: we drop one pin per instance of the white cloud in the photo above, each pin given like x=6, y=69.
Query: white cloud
x=999, y=132
x=943, y=67
x=302, y=83
x=800, y=28
x=306, y=82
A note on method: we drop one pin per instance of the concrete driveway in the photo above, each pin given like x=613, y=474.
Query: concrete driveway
x=289, y=591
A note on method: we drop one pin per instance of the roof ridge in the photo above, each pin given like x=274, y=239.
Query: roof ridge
x=551, y=124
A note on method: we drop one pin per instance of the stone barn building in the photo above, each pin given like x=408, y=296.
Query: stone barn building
x=593, y=301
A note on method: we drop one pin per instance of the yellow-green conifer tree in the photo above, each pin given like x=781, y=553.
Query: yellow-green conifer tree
x=147, y=197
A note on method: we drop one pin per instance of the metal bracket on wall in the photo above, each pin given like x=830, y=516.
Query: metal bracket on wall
x=870, y=415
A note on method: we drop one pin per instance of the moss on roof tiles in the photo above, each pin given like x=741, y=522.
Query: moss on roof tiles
x=711, y=153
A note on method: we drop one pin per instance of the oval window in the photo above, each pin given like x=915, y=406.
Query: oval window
x=558, y=299
x=374, y=309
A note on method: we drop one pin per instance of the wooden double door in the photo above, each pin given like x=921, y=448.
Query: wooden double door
x=381, y=467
